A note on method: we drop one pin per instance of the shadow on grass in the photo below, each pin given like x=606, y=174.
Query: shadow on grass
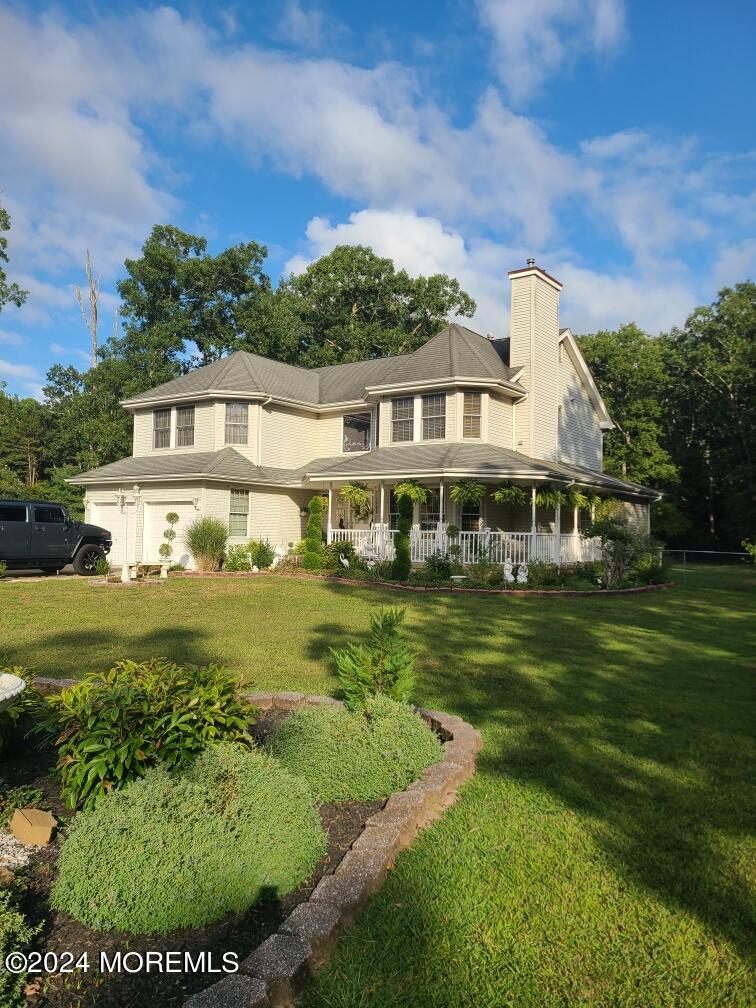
x=633, y=712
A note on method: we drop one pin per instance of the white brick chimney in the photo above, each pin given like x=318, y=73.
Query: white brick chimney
x=534, y=347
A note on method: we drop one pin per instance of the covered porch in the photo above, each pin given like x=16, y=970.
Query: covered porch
x=469, y=532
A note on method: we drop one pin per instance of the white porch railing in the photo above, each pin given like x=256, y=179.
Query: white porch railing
x=496, y=547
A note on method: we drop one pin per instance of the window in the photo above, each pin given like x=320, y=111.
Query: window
x=434, y=416
x=470, y=517
x=12, y=513
x=471, y=415
x=356, y=432
x=161, y=425
x=430, y=511
x=49, y=515
x=238, y=514
x=237, y=422
x=184, y=426
x=402, y=419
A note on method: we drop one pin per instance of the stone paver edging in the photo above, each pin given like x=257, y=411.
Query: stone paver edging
x=272, y=975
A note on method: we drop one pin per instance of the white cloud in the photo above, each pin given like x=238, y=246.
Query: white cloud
x=533, y=39
x=735, y=263
x=58, y=348
x=10, y=370
x=591, y=300
x=10, y=338
x=301, y=26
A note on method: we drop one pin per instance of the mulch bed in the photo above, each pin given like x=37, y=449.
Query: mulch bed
x=241, y=933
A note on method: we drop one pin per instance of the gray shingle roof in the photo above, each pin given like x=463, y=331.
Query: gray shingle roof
x=226, y=463
x=475, y=459
x=456, y=351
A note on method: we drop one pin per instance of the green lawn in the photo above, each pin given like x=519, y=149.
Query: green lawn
x=601, y=855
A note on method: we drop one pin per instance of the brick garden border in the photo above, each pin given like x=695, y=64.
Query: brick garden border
x=431, y=589
x=276, y=971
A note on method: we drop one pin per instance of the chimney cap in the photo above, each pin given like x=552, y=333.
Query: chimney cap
x=531, y=262
x=532, y=268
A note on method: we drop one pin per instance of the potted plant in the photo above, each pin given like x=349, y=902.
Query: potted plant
x=510, y=493
x=467, y=491
x=359, y=498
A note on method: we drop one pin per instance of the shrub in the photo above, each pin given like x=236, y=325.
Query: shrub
x=543, y=575
x=16, y=935
x=438, y=567
x=261, y=553
x=747, y=545
x=363, y=754
x=312, y=555
x=622, y=548
x=334, y=551
x=174, y=851
x=116, y=724
x=3, y=568
x=237, y=558
x=166, y=548
x=206, y=540
x=102, y=567
x=384, y=667
x=402, y=553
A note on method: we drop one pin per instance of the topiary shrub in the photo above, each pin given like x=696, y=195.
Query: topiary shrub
x=115, y=725
x=402, y=553
x=312, y=555
x=174, y=851
x=16, y=935
x=384, y=667
x=206, y=540
x=365, y=754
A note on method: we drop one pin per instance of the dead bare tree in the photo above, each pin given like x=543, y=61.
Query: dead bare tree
x=90, y=320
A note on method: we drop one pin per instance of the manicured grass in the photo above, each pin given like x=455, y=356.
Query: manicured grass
x=601, y=855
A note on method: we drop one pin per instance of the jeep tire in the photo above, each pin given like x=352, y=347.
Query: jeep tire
x=86, y=559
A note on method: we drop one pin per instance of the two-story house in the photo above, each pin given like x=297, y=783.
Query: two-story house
x=250, y=440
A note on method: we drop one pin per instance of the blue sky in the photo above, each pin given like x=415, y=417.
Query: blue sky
x=614, y=141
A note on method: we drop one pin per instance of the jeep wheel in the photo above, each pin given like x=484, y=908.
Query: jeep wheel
x=86, y=559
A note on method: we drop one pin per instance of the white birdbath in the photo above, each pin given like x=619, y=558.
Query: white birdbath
x=10, y=687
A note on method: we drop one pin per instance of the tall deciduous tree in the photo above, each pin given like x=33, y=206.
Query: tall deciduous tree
x=10, y=293
x=354, y=305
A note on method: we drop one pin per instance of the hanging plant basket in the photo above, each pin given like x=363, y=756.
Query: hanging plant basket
x=413, y=491
x=510, y=493
x=467, y=491
x=550, y=496
x=359, y=498
x=577, y=499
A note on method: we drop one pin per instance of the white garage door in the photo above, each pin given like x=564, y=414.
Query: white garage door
x=155, y=524
x=110, y=516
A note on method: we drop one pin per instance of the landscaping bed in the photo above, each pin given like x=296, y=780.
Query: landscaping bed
x=280, y=939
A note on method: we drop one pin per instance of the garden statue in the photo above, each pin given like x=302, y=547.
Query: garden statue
x=508, y=576
x=10, y=687
x=344, y=561
x=522, y=574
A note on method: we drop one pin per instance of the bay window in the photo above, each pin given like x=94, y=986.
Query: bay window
x=237, y=423
x=161, y=428
x=402, y=418
x=434, y=416
x=471, y=412
x=184, y=426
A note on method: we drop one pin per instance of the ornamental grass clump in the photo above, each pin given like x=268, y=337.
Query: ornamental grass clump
x=173, y=851
x=115, y=725
x=206, y=540
x=364, y=754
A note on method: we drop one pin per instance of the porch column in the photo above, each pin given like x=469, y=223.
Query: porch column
x=532, y=510
x=441, y=500
x=382, y=548
x=557, y=535
x=575, y=522
x=330, y=511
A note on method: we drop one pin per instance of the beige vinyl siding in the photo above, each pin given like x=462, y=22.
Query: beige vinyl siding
x=289, y=438
x=580, y=438
x=204, y=431
x=520, y=355
x=499, y=422
x=275, y=515
x=546, y=372
x=142, y=438
x=248, y=450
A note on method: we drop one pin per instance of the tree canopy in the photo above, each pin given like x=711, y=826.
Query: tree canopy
x=10, y=293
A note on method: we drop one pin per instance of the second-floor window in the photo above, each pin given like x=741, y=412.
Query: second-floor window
x=471, y=412
x=434, y=416
x=161, y=428
x=402, y=419
x=184, y=426
x=356, y=432
x=237, y=423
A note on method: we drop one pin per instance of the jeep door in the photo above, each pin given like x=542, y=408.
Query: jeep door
x=53, y=536
x=15, y=531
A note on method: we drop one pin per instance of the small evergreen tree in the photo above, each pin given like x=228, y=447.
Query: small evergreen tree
x=312, y=557
x=384, y=667
x=402, y=555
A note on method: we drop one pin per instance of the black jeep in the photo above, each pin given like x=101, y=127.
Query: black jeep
x=38, y=534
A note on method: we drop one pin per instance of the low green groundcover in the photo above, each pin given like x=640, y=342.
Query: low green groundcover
x=171, y=851
x=344, y=754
